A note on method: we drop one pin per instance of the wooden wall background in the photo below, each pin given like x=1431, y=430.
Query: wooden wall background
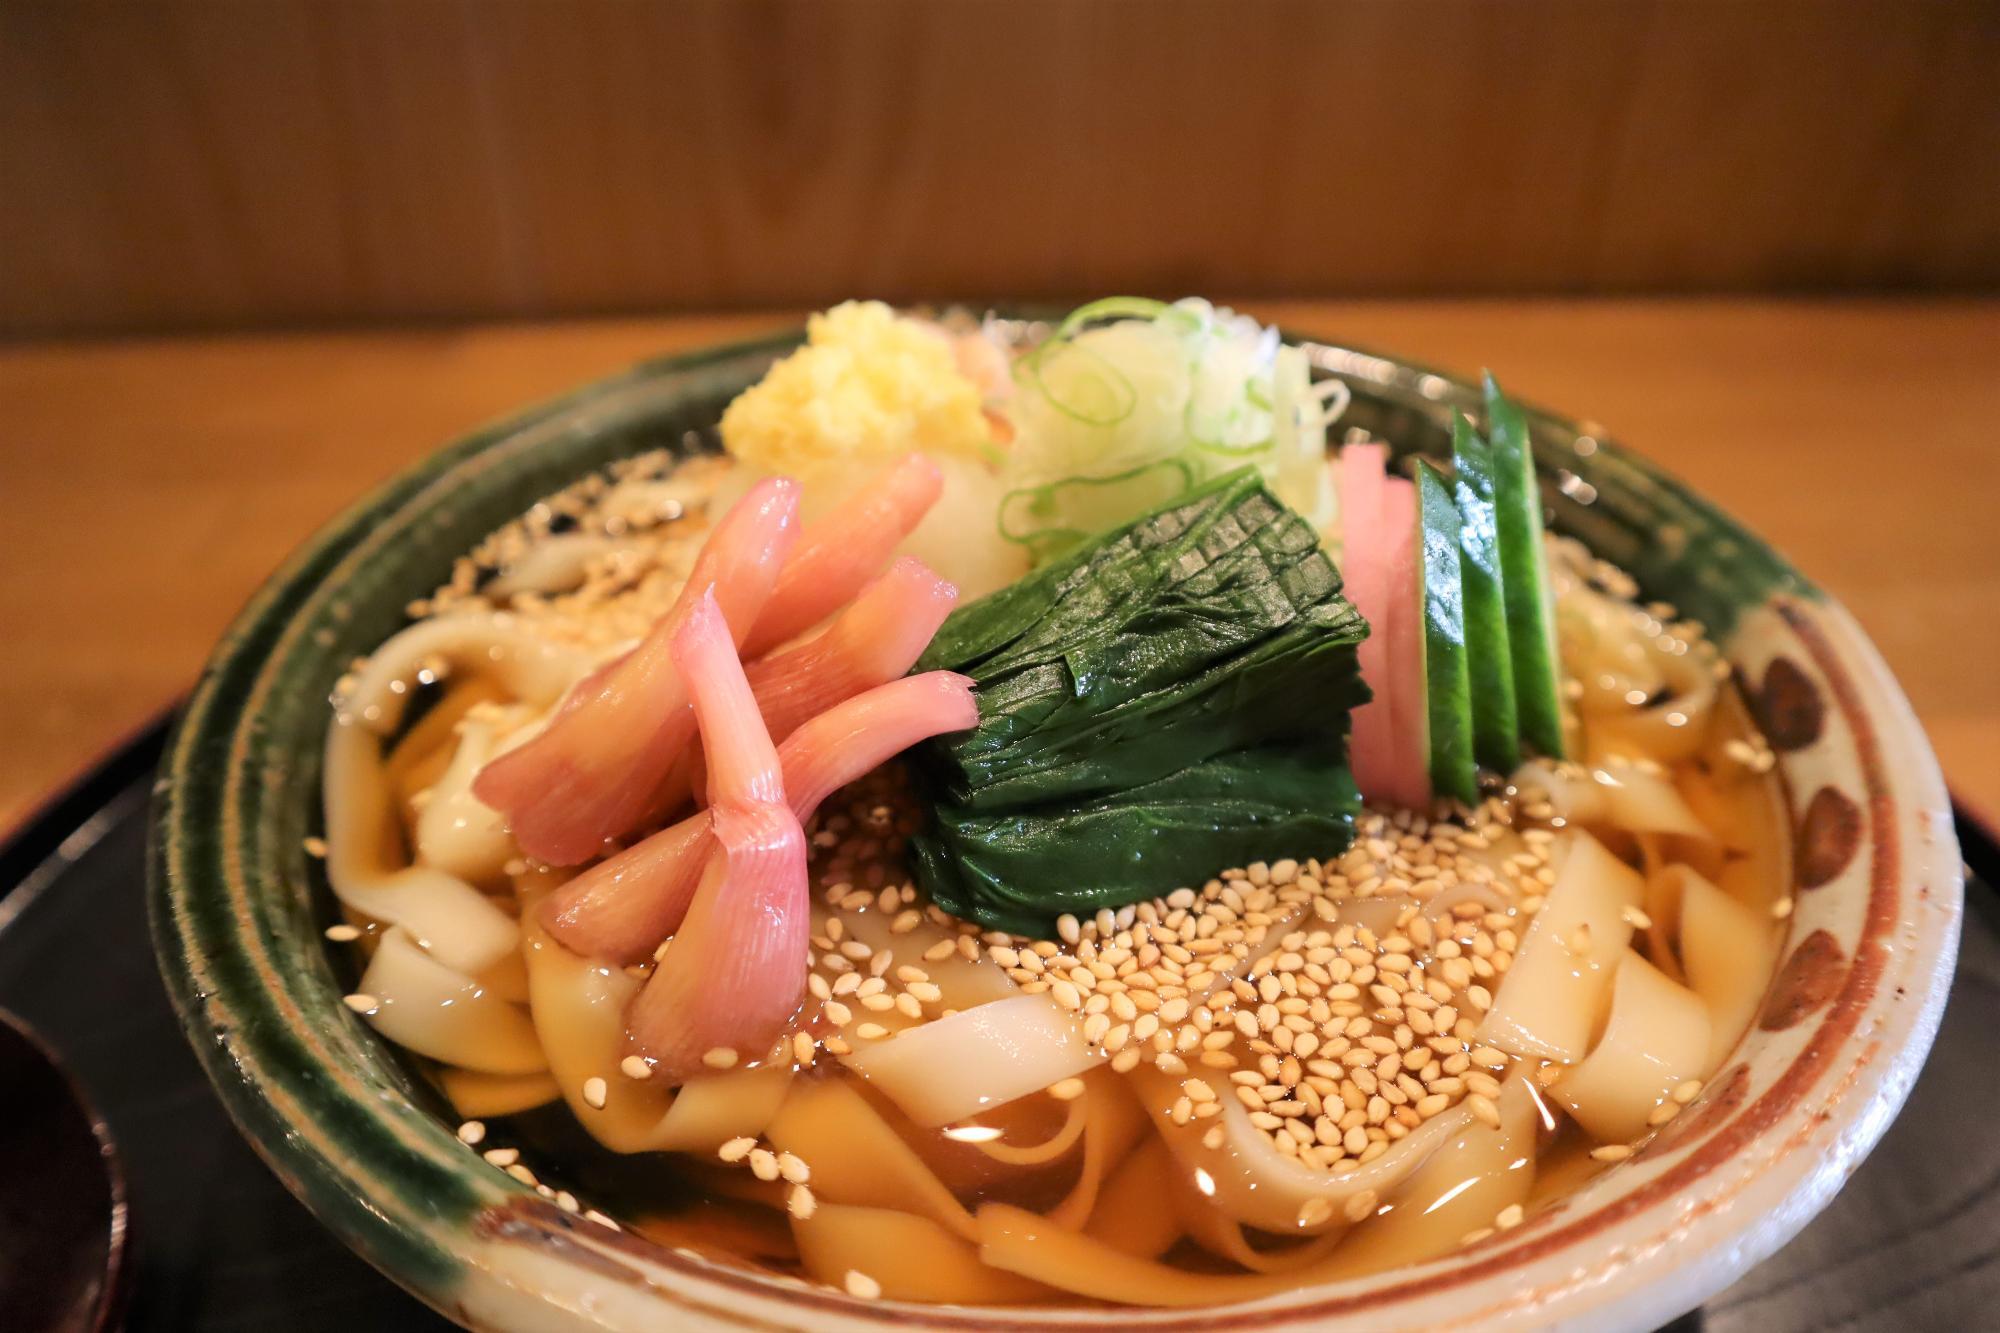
x=205, y=164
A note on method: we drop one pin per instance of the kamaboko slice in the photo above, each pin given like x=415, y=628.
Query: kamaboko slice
x=1409, y=783
x=1364, y=560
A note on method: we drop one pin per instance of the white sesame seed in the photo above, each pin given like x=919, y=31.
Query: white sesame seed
x=735, y=1150
x=502, y=1157
x=361, y=1002
x=595, y=1091
x=471, y=1133
x=343, y=933
x=722, y=1057
x=861, y=1286
x=635, y=1067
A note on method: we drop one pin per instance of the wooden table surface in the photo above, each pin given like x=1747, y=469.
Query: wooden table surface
x=146, y=486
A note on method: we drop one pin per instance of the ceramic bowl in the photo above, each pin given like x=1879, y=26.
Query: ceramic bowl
x=238, y=911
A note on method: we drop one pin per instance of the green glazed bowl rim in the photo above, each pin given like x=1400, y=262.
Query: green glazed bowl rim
x=235, y=918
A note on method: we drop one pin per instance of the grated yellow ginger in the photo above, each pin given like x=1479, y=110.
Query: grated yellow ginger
x=870, y=385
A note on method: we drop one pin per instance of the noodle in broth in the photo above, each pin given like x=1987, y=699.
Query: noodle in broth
x=1280, y=1074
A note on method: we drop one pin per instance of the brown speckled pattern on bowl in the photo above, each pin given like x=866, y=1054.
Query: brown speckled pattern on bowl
x=238, y=910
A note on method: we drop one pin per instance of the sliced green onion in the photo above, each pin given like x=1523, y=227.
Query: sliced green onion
x=1110, y=307
x=1153, y=484
x=1033, y=365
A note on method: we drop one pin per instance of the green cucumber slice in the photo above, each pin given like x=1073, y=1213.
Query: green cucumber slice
x=1496, y=726
x=1447, y=679
x=1531, y=637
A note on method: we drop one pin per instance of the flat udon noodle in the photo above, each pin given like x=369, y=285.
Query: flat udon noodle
x=1249, y=1179
x=1561, y=977
x=1613, y=795
x=579, y=1015
x=1376, y=913
x=437, y=1011
x=1137, y=1210
x=552, y=565
x=950, y=1069
x=1748, y=812
x=912, y=1258
x=477, y=1096
x=461, y=928
x=457, y=832
x=1458, y=1190
x=1438, y=1202
x=1253, y=1183
x=858, y=1158
x=1221, y=1235
x=531, y=668
x=1001, y=1044
x=874, y=1188
x=508, y=979
x=1727, y=951
x=1662, y=904
x=1609, y=649
x=1075, y=1118
x=1657, y=1038
x=1113, y=1123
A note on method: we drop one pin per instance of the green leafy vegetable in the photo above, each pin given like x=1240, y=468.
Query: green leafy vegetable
x=1017, y=870
x=1113, y=683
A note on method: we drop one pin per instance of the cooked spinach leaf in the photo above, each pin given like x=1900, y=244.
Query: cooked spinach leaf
x=1174, y=695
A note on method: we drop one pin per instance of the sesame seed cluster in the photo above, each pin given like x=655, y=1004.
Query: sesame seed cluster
x=637, y=527
x=1338, y=1035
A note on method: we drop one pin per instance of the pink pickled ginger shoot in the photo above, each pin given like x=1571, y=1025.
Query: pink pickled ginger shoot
x=594, y=773
x=621, y=910
x=841, y=552
x=874, y=641
x=731, y=981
